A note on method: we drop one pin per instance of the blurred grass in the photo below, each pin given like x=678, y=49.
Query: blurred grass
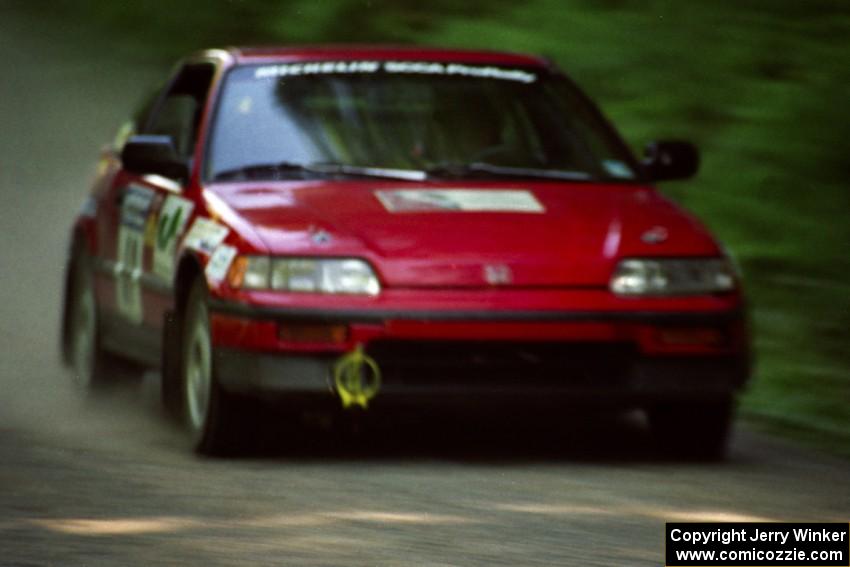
x=762, y=86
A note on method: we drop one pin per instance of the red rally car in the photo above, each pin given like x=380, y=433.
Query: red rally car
x=368, y=225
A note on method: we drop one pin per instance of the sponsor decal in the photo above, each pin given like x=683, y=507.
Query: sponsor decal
x=136, y=205
x=128, y=293
x=480, y=71
x=135, y=209
x=150, y=230
x=462, y=200
x=317, y=68
x=220, y=262
x=170, y=224
x=245, y=105
x=205, y=235
x=394, y=67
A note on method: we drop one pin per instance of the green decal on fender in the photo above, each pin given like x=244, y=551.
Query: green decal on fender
x=173, y=217
x=167, y=229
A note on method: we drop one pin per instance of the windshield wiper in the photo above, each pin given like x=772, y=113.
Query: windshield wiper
x=276, y=170
x=482, y=169
x=260, y=171
x=369, y=171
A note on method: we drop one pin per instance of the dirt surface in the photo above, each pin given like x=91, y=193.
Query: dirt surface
x=109, y=482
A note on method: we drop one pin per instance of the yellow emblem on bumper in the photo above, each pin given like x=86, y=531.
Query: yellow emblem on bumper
x=357, y=378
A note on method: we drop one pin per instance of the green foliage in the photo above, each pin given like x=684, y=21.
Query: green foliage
x=762, y=86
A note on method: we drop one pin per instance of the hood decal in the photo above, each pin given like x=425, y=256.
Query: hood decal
x=461, y=200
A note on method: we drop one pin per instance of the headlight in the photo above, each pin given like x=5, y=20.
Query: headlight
x=673, y=277
x=313, y=275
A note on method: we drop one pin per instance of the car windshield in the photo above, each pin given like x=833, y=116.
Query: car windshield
x=386, y=118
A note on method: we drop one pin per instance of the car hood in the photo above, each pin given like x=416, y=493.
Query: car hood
x=470, y=235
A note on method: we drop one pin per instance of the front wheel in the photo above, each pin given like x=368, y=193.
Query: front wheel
x=90, y=366
x=209, y=412
x=694, y=430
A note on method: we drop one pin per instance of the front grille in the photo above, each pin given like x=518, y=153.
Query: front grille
x=495, y=363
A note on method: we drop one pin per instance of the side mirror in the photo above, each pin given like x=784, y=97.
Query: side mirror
x=154, y=154
x=670, y=159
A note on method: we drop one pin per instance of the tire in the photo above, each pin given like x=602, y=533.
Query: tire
x=693, y=431
x=209, y=413
x=91, y=367
x=171, y=389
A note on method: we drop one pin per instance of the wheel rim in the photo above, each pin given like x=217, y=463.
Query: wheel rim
x=198, y=375
x=83, y=337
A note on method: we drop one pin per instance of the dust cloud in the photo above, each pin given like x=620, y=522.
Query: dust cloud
x=59, y=106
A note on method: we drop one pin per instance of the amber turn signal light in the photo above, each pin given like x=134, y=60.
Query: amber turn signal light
x=236, y=274
x=312, y=333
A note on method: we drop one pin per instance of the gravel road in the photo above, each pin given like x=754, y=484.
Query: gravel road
x=109, y=482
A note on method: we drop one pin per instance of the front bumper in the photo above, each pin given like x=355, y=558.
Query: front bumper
x=619, y=357
x=643, y=381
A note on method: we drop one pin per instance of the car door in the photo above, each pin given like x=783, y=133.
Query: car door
x=147, y=214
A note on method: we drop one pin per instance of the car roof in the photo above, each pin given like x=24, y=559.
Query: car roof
x=343, y=52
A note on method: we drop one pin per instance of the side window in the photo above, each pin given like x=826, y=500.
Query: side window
x=137, y=121
x=178, y=114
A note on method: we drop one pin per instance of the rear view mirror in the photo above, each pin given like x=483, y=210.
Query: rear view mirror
x=153, y=154
x=665, y=160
